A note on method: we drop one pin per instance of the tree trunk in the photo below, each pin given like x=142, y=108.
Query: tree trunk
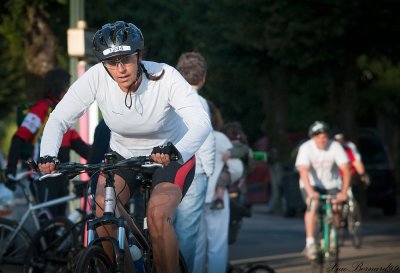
x=40, y=45
x=274, y=90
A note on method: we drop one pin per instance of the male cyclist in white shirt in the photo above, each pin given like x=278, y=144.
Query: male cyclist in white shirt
x=319, y=162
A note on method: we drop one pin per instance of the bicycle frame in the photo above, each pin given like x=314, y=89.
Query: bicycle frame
x=328, y=235
x=115, y=214
x=325, y=215
x=119, y=217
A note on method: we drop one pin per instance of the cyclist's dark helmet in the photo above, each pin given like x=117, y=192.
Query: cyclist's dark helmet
x=119, y=38
x=318, y=127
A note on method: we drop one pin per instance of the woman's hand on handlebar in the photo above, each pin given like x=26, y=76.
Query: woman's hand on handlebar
x=161, y=158
x=47, y=164
x=164, y=154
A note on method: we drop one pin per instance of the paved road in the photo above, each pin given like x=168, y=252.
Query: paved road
x=278, y=242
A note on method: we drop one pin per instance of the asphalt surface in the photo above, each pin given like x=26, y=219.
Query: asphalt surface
x=277, y=241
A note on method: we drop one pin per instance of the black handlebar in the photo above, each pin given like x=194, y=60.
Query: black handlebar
x=72, y=169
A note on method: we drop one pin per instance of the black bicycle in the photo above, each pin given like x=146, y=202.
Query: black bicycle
x=351, y=224
x=58, y=242
x=94, y=258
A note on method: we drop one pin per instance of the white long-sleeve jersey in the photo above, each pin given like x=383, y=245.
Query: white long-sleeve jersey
x=164, y=110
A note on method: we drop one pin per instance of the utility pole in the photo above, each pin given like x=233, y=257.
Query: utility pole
x=76, y=14
x=80, y=51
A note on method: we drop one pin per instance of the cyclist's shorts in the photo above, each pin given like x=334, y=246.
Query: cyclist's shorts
x=176, y=173
x=333, y=191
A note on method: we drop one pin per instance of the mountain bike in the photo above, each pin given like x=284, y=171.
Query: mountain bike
x=327, y=238
x=351, y=223
x=94, y=258
x=15, y=238
x=58, y=242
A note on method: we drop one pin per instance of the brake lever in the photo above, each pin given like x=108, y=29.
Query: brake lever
x=32, y=164
x=49, y=175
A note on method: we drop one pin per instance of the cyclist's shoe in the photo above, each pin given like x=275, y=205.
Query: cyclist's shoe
x=217, y=204
x=311, y=252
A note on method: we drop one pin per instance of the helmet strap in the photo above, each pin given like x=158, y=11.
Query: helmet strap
x=138, y=76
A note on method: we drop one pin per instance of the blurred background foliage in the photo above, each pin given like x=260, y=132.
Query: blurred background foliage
x=274, y=65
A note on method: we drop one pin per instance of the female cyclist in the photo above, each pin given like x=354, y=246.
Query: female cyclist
x=145, y=104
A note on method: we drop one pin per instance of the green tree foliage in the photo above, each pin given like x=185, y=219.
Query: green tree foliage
x=29, y=49
x=275, y=66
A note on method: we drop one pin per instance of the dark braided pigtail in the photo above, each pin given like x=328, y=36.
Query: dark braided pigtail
x=151, y=77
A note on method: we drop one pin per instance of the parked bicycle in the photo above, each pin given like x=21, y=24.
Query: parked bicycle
x=14, y=235
x=327, y=234
x=351, y=224
x=94, y=258
x=58, y=242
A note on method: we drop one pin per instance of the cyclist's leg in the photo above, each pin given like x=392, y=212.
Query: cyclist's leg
x=187, y=218
x=310, y=216
x=163, y=202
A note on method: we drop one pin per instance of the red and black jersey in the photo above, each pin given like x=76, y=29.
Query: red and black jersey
x=30, y=130
x=351, y=157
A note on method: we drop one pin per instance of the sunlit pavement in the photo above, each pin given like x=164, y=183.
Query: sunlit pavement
x=278, y=242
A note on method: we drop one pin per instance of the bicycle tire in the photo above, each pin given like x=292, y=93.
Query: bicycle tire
x=53, y=248
x=16, y=251
x=332, y=256
x=260, y=268
x=328, y=251
x=354, y=221
x=92, y=258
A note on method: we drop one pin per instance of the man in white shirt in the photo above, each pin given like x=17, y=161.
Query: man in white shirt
x=319, y=162
x=193, y=68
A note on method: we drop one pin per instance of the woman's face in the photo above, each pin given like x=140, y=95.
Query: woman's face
x=123, y=69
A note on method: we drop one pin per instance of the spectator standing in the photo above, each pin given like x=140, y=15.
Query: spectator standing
x=193, y=68
x=101, y=143
x=26, y=140
x=239, y=150
x=212, y=238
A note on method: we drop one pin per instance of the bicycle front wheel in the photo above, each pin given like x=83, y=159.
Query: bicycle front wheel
x=54, y=247
x=333, y=245
x=15, y=251
x=354, y=224
x=94, y=260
